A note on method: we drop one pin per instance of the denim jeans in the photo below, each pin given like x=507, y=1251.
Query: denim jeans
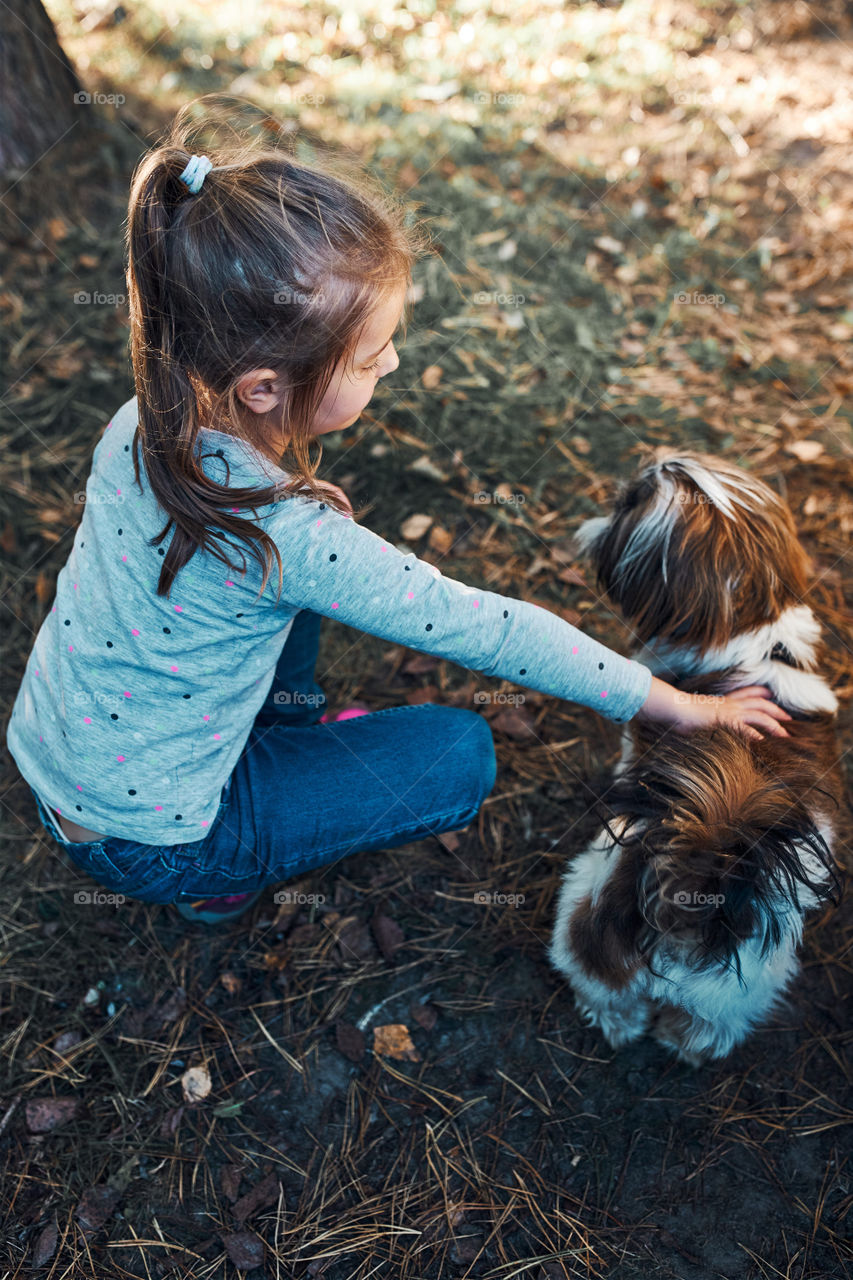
x=304, y=794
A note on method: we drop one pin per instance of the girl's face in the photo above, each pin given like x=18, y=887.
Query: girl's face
x=354, y=380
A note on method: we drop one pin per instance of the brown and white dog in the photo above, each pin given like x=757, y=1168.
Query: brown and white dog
x=683, y=917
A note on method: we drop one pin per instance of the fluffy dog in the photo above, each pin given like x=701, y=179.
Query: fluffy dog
x=683, y=917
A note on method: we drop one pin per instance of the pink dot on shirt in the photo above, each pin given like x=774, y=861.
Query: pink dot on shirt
x=87, y=719
x=118, y=491
x=335, y=605
x=604, y=693
x=179, y=608
x=126, y=694
x=476, y=604
x=206, y=717
x=216, y=735
x=574, y=648
x=71, y=648
x=158, y=807
x=134, y=632
x=124, y=557
x=173, y=668
x=410, y=595
x=79, y=788
x=120, y=759
x=228, y=584
x=204, y=822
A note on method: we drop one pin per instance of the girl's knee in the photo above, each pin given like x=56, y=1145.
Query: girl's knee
x=476, y=749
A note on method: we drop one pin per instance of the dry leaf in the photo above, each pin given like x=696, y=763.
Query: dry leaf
x=46, y=1114
x=387, y=933
x=230, y=982
x=431, y=376
x=245, y=1249
x=515, y=722
x=415, y=527
x=394, y=1041
x=425, y=1015
x=45, y=1246
x=350, y=1041
x=196, y=1084
x=805, y=450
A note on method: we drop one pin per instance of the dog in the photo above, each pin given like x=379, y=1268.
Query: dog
x=682, y=918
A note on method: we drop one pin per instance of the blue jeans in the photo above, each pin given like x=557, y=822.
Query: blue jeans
x=304, y=794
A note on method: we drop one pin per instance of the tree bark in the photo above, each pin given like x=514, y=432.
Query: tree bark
x=37, y=87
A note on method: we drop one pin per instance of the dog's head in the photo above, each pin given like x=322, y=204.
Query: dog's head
x=696, y=551
x=717, y=847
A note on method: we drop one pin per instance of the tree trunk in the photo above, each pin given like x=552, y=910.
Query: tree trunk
x=37, y=87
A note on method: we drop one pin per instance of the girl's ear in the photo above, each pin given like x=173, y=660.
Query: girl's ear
x=260, y=390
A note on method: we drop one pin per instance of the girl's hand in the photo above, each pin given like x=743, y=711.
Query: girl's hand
x=740, y=710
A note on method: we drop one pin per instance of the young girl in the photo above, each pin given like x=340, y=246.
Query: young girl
x=168, y=722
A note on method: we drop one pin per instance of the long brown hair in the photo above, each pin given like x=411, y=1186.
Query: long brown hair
x=275, y=263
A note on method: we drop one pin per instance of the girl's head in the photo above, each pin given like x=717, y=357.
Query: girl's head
x=264, y=306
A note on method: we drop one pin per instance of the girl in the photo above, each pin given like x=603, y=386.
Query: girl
x=168, y=722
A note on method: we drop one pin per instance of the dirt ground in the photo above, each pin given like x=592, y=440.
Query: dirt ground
x=565, y=323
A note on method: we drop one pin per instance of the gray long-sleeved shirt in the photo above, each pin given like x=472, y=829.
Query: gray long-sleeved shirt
x=134, y=708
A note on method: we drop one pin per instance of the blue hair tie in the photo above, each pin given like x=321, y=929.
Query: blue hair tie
x=195, y=173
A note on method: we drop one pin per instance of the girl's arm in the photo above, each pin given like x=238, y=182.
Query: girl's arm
x=343, y=570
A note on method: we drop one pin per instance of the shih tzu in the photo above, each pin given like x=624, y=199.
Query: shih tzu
x=683, y=917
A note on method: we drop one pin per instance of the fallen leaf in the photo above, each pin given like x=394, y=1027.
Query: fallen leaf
x=419, y=664
x=196, y=1084
x=45, y=1246
x=415, y=527
x=394, y=1041
x=230, y=982
x=388, y=934
x=97, y=1204
x=264, y=1193
x=609, y=245
x=245, y=1249
x=425, y=1015
x=425, y=465
x=46, y=1114
x=229, y=1181
x=515, y=722
x=66, y=1041
x=450, y=840
x=440, y=539
x=431, y=376
x=805, y=450
x=350, y=1041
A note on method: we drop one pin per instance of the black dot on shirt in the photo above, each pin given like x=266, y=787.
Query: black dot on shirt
x=82, y=544
x=68, y=622
x=114, y=715
x=506, y=613
x=322, y=506
x=429, y=626
x=407, y=567
x=126, y=448
x=109, y=644
x=178, y=817
x=241, y=615
x=119, y=532
x=168, y=630
x=601, y=666
x=131, y=792
x=79, y=808
x=160, y=551
x=333, y=556
x=219, y=454
x=523, y=671
x=187, y=695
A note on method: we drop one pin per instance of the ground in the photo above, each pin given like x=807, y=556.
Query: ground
x=642, y=237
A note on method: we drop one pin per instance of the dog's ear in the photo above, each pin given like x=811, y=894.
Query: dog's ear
x=587, y=535
x=604, y=934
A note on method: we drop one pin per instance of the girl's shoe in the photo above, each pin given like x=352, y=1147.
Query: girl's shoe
x=216, y=910
x=348, y=713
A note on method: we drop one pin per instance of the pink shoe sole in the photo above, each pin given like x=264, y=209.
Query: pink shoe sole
x=349, y=713
x=216, y=910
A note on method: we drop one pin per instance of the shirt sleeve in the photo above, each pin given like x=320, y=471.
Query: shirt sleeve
x=343, y=570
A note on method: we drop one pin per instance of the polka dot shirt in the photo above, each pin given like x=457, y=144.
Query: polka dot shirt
x=134, y=707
